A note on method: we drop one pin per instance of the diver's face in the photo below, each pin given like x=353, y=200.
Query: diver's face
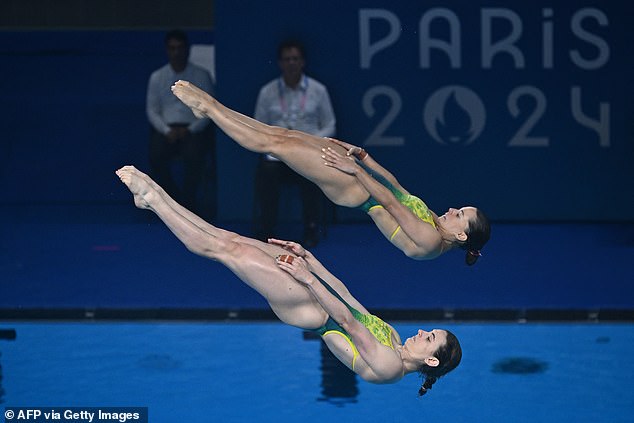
x=425, y=344
x=457, y=220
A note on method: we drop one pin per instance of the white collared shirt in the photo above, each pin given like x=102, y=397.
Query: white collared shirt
x=306, y=108
x=164, y=108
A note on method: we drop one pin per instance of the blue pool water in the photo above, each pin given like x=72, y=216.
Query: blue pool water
x=266, y=371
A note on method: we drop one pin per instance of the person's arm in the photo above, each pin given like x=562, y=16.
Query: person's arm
x=153, y=105
x=327, y=120
x=262, y=106
x=423, y=235
x=349, y=165
x=316, y=267
x=204, y=83
x=363, y=156
x=382, y=360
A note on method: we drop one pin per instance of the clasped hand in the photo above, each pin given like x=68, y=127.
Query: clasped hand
x=298, y=264
x=345, y=164
x=296, y=267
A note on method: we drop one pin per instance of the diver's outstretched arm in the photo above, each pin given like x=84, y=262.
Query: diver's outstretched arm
x=368, y=161
x=316, y=267
x=383, y=363
x=421, y=241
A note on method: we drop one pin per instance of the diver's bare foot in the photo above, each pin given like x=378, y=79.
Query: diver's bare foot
x=137, y=183
x=192, y=96
x=153, y=186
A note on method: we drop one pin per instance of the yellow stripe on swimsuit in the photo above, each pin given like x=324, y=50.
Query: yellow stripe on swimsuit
x=415, y=204
x=377, y=327
x=355, y=351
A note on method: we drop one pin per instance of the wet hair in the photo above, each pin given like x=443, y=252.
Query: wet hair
x=449, y=356
x=478, y=235
x=288, y=44
x=177, y=34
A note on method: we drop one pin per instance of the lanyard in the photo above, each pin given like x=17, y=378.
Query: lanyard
x=302, y=102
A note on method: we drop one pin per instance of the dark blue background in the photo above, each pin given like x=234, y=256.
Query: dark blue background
x=574, y=178
x=75, y=100
x=73, y=111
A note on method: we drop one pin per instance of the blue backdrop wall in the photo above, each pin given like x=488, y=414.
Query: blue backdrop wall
x=73, y=111
x=522, y=109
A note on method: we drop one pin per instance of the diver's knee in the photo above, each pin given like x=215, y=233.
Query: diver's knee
x=220, y=249
x=280, y=136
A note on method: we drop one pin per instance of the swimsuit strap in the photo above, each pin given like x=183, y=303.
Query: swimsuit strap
x=330, y=289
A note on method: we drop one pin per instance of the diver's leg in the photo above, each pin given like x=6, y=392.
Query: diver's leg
x=300, y=151
x=291, y=301
x=202, y=224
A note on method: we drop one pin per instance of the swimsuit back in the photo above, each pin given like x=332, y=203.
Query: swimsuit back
x=415, y=204
x=377, y=327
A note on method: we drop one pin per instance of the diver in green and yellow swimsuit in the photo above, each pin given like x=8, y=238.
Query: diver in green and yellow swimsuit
x=413, y=203
x=326, y=162
x=303, y=293
x=405, y=219
x=377, y=327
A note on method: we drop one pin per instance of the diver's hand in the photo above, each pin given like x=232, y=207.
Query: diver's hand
x=291, y=246
x=297, y=268
x=346, y=164
x=352, y=150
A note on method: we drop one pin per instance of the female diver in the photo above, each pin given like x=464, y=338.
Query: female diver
x=303, y=293
x=351, y=178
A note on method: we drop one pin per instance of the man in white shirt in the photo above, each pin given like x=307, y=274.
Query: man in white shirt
x=294, y=101
x=175, y=131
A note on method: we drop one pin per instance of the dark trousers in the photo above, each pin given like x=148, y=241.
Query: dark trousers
x=193, y=150
x=270, y=177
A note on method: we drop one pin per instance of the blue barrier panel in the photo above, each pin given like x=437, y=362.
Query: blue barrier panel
x=523, y=109
x=73, y=110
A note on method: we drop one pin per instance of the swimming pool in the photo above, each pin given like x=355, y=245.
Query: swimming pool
x=266, y=371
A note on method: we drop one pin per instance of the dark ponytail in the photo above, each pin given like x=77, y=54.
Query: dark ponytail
x=479, y=234
x=429, y=381
x=449, y=356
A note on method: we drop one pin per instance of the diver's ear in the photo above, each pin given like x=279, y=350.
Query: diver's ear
x=432, y=361
x=461, y=236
